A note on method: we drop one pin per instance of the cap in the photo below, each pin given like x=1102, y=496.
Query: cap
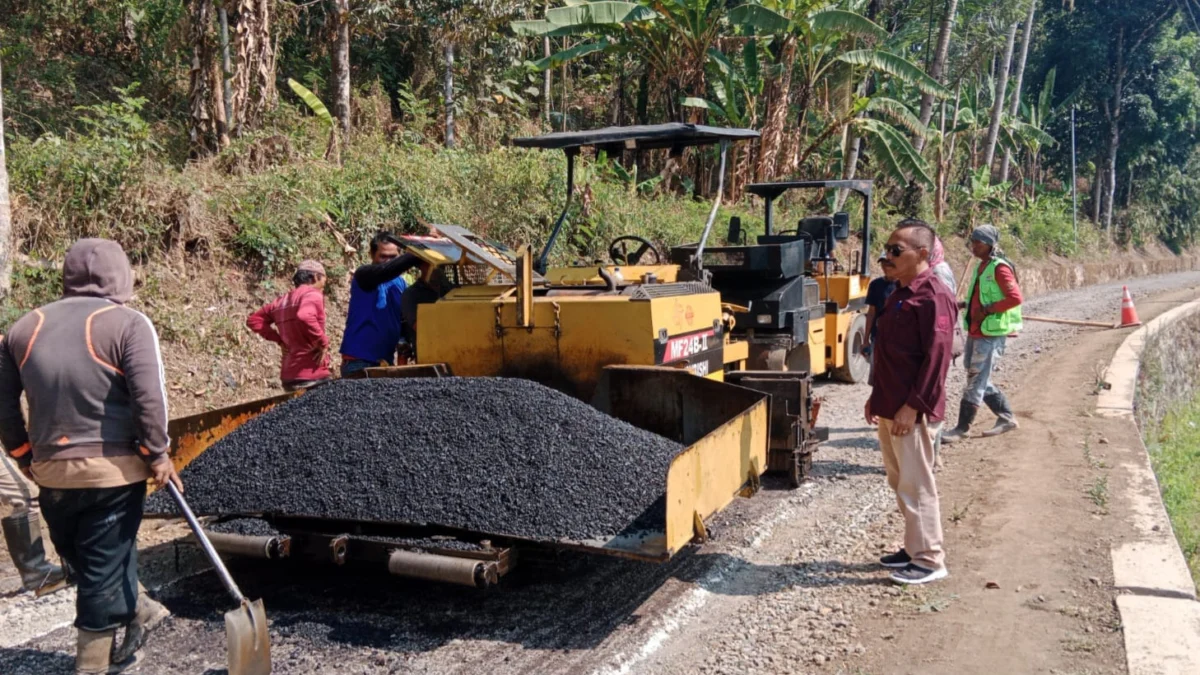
x=986, y=234
x=311, y=266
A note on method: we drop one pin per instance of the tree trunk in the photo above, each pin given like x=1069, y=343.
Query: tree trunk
x=547, y=74
x=6, y=237
x=254, y=82
x=939, y=180
x=341, y=66
x=448, y=53
x=939, y=65
x=1015, y=106
x=219, y=107
x=1108, y=191
x=199, y=121
x=226, y=69
x=777, y=112
x=852, y=146
x=1097, y=191
x=565, y=84
x=989, y=154
x=617, y=113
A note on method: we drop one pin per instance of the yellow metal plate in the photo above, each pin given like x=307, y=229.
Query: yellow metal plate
x=588, y=276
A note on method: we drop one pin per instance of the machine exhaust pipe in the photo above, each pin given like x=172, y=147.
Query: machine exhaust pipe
x=448, y=569
x=262, y=547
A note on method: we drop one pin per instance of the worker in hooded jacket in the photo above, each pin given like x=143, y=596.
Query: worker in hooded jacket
x=92, y=374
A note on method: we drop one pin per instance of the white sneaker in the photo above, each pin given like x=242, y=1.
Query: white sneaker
x=913, y=575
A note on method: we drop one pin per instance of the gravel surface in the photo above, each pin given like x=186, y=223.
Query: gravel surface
x=250, y=527
x=492, y=455
x=785, y=585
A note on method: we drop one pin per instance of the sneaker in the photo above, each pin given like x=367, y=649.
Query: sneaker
x=1003, y=426
x=898, y=560
x=915, y=574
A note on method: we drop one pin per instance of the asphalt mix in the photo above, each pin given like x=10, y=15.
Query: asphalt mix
x=491, y=455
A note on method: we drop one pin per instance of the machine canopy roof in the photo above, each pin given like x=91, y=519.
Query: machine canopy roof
x=647, y=137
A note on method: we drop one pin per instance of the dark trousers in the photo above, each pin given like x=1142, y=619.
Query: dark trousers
x=95, y=532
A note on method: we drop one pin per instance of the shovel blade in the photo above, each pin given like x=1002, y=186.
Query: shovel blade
x=247, y=640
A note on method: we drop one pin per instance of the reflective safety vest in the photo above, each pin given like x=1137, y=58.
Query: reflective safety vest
x=994, y=325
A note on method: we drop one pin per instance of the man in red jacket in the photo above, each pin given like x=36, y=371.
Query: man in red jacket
x=297, y=322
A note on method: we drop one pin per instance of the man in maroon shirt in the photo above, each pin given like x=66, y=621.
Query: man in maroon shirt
x=908, y=397
x=296, y=322
x=993, y=313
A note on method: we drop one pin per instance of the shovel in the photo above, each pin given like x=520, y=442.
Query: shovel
x=246, y=636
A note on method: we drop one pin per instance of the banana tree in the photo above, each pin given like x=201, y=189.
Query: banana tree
x=1031, y=134
x=674, y=39
x=816, y=36
x=981, y=193
x=317, y=106
x=735, y=90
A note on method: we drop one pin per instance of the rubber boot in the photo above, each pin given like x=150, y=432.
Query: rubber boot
x=966, y=415
x=1005, y=420
x=23, y=534
x=150, y=615
x=92, y=650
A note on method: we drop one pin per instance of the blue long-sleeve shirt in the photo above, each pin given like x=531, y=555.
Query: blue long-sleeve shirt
x=374, y=323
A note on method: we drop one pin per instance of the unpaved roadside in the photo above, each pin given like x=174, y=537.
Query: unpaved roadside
x=787, y=585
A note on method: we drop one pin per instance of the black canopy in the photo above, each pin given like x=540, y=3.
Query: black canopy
x=651, y=136
x=773, y=190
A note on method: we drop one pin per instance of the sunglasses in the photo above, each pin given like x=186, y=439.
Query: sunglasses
x=894, y=250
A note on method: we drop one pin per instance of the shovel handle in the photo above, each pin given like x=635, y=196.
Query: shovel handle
x=206, y=545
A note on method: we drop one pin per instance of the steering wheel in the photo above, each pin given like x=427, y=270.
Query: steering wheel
x=618, y=250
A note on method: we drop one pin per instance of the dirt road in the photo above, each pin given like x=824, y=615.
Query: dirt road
x=787, y=584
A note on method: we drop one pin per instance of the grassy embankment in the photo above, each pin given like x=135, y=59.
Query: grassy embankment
x=1176, y=459
x=1168, y=412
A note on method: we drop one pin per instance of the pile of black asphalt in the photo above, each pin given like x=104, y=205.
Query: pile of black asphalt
x=491, y=455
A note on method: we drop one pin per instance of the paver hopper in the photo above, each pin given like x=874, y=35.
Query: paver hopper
x=724, y=429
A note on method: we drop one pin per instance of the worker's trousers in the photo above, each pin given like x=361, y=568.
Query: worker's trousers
x=95, y=531
x=981, y=356
x=15, y=489
x=909, y=461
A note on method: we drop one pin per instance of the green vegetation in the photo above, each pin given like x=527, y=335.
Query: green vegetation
x=1176, y=458
x=121, y=121
x=1168, y=413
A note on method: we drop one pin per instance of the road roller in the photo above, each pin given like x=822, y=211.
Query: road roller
x=798, y=307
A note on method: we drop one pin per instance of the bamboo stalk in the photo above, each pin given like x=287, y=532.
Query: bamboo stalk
x=1068, y=322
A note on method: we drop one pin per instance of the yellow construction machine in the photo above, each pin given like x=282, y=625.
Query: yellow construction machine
x=641, y=339
x=798, y=307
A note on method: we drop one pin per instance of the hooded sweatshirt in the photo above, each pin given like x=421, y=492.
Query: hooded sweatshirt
x=92, y=373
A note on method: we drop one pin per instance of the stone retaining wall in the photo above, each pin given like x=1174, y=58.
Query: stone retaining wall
x=1052, y=276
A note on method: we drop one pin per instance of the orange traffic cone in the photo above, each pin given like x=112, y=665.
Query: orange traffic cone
x=1129, y=315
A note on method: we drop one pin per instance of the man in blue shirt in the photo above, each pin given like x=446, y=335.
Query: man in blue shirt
x=374, y=323
x=877, y=295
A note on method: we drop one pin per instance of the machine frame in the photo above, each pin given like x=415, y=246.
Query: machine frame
x=796, y=308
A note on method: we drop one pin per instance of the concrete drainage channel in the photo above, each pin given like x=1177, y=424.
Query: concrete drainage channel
x=1157, y=601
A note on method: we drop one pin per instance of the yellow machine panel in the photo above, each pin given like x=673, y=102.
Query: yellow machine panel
x=843, y=288
x=573, y=334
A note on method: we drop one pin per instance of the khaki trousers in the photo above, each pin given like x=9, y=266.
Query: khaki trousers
x=15, y=489
x=909, y=463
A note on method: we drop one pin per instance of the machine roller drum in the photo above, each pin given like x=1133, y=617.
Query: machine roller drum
x=856, y=368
